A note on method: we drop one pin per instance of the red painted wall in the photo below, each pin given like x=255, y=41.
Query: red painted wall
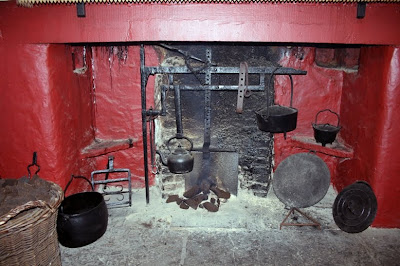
x=44, y=107
x=368, y=103
x=47, y=108
x=118, y=104
x=370, y=110
x=320, y=89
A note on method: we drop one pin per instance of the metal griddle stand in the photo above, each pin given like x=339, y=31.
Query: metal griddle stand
x=313, y=222
x=120, y=199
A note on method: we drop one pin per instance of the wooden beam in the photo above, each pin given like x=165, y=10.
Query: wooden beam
x=269, y=22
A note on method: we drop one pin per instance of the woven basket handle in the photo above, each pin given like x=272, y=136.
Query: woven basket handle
x=29, y=205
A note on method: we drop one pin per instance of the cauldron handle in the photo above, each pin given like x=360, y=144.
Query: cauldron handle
x=77, y=176
x=329, y=110
x=269, y=84
x=291, y=91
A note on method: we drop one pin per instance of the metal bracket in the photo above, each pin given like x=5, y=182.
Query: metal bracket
x=80, y=10
x=34, y=163
x=243, y=86
x=207, y=110
x=361, y=8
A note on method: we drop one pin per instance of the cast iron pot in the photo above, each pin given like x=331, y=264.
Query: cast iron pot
x=325, y=133
x=277, y=118
x=82, y=218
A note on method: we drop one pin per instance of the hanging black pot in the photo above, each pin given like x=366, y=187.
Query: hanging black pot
x=325, y=133
x=277, y=118
x=82, y=217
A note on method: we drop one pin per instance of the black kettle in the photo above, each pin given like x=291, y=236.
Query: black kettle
x=179, y=161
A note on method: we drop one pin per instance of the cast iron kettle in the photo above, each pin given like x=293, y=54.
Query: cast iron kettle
x=82, y=217
x=179, y=161
x=277, y=118
x=325, y=133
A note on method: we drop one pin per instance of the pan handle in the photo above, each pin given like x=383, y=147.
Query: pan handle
x=329, y=110
x=77, y=176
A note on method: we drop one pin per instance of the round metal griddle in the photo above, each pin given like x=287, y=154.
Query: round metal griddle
x=301, y=180
x=355, y=207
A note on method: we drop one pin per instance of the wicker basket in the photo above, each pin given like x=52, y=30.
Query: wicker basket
x=28, y=234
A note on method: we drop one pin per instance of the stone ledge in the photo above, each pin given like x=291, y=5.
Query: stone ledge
x=337, y=149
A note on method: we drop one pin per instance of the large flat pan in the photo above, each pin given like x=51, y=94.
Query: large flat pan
x=301, y=180
x=223, y=170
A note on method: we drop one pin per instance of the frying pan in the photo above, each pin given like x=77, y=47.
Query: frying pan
x=301, y=180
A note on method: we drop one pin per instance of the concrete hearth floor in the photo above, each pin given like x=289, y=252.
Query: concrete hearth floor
x=245, y=231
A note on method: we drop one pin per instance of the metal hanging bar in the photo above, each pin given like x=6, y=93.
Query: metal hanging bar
x=152, y=70
x=143, y=82
x=178, y=108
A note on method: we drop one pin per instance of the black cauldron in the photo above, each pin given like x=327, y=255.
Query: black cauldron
x=82, y=218
x=325, y=133
x=277, y=118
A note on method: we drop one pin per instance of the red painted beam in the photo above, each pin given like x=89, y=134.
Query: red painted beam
x=270, y=22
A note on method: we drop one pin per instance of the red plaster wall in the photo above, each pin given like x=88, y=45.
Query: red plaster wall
x=47, y=108
x=321, y=88
x=118, y=104
x=44, y=107
x=370, y=108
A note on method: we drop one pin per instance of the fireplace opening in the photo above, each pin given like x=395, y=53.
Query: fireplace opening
x=208, y=94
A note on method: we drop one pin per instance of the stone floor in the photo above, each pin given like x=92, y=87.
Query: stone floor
x=245, y=231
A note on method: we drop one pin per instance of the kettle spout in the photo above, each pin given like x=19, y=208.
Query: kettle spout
x=162, y=157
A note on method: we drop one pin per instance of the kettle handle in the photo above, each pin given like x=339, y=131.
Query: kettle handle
x=329, y=110
x=182, y=137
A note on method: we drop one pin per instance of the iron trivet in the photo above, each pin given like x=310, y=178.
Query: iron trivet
x=291, y=211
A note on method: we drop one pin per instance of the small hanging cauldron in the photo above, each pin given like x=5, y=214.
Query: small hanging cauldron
x=325, y=133
x=277, y=118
